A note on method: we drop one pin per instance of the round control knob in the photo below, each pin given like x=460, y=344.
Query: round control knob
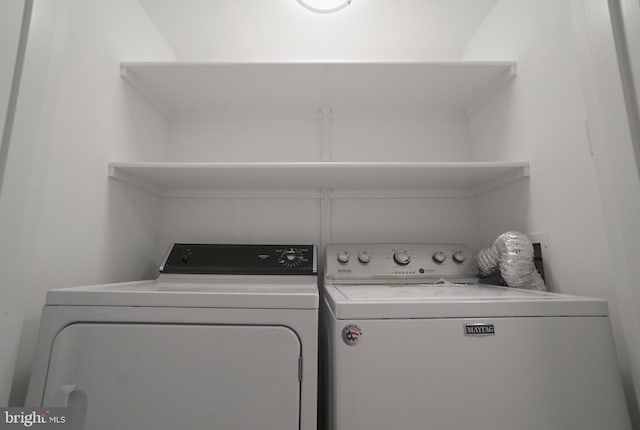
x=439, y=257
x=402, y=257
x=459, y=257
x=291, y=257
x=364, y=257
x=343, y=257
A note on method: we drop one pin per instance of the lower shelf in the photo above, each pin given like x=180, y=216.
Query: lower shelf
x=459, y=178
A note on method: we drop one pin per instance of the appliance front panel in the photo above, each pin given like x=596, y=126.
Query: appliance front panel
x=163, y=376
x=556, y=373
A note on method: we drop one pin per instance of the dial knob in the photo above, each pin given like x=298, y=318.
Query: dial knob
x=185, y=256
x=364, y=257
x=402, y=257
x=291, y=258
x=343, y=257
x=439, y=257
x=459, y=257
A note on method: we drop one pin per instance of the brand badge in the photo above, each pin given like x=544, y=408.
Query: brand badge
x=479, y=329
x=351, y=334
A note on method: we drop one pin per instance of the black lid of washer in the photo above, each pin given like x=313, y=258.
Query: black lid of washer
x=226, y=259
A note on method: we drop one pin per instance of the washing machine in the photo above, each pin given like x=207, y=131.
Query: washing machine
x=225, y=338
x=411, y=340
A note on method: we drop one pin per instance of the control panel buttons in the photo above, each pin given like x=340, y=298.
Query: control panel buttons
x=403, y=261
x=459, y=257
x=439, y=257
x=343, y=257
x=401, y=257
x=364, y=257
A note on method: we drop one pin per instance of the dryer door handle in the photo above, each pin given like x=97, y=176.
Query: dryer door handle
x=75, y=400
x=64, y=393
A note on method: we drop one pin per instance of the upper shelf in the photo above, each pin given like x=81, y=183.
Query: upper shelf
x=196, y=90
x=459, y=178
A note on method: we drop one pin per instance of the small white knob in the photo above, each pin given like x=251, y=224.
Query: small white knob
x=402, y=257
x=439, y=257
x=343, y=257
x=459, y=257
x=363, y=257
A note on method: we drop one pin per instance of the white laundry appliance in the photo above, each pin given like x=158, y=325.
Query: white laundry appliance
x=403, y=351
x=225, y=338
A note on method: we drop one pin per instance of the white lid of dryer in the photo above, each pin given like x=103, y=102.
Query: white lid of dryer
x=197, y=291
x=248, y=276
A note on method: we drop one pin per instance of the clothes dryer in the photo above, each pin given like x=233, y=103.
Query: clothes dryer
x=225, y=338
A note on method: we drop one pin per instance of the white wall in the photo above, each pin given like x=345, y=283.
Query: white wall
x=399, y=139
x=631, y=15
x=414, y=220
x=540, y=116
x=10, y=27
x=283, y=30
x=71, y=225
x=350, y=139
x=244, y=139
x=239, y=220
x=615, y=161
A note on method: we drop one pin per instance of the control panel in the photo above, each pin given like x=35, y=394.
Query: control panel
x=399, y=261
x=241, y=259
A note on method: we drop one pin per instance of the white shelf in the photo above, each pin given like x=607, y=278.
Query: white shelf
x=461, y=179
x=207, y=90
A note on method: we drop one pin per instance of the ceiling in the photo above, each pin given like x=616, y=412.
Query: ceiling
x=273, y=30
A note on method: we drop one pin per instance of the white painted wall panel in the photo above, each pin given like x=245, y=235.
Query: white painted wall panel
x=75, y=226
x=15, y=203
x=384, y=139
x=244, y=140
x=541, y=116
x=238, y=220
x=631, y=15
x=11, y=12
x=619, y=181
x=404, y=220
x=351, y=139
x=10, y=25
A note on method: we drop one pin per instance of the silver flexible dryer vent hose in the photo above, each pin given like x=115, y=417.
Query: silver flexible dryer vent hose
x=512, y=254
